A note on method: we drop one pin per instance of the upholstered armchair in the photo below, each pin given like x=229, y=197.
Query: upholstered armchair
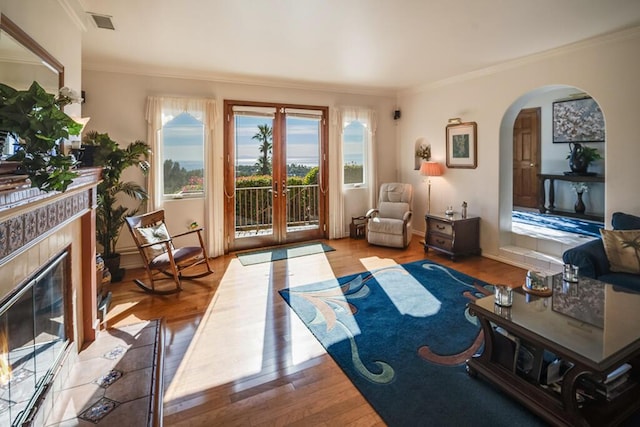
x=390, y=223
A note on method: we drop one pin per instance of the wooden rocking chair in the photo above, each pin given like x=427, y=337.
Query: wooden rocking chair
x=159, y=255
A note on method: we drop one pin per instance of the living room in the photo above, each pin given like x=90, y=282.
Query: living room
x=491, y=96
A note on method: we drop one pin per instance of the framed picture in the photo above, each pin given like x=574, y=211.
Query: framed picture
x=577, y=120
x=462, y=145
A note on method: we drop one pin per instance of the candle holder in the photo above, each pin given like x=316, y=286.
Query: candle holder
x=570, y=273
x=503, y=295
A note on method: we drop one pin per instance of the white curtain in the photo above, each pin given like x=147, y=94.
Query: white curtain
x=161, y=110
x=342, y=117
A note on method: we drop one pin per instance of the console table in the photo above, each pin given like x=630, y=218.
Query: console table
x=542, y=177
x=590, y=326
x=452, y=234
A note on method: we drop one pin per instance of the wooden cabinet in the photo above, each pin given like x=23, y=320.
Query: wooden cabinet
x=452, y=234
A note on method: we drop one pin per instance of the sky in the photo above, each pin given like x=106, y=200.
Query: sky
x=183, y=136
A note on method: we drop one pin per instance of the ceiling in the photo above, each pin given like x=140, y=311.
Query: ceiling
x=383, y=45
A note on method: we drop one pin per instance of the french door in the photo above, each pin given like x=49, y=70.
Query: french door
x=275, y=174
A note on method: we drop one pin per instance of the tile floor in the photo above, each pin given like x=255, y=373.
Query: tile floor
x=111, y=382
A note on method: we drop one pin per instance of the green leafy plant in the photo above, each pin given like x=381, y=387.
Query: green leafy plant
x=588, y=154
x=36, y=120
x=110, y=214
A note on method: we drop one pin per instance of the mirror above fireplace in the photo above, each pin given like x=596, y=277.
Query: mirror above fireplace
x=23, y=60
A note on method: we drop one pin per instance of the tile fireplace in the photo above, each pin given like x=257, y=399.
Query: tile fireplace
x=48, y=307
x=33, y=338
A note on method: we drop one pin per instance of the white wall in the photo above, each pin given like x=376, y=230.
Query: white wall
x=116, y=102
x=605, y=68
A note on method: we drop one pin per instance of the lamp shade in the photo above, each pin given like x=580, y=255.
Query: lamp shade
x=431, y=169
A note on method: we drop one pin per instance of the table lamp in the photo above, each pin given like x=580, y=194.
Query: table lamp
x=430, y=169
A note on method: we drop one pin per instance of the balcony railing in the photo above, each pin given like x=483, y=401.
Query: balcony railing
x=254, y=209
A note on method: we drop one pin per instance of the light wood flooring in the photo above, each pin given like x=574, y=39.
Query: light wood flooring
x=237, y=355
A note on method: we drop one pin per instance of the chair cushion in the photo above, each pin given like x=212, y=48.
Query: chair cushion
x=623, y=249
x=180, y=255
x=386, y=225
x=396, y=192
x=153, y=234
x=623, y=221
x=393, y=210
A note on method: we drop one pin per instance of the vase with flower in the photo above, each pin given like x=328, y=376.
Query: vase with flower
x=580, y=188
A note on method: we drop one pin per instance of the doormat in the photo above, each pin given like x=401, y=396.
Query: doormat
x=284, y=252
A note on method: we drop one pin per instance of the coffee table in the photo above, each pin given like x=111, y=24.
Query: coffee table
x=590, y=326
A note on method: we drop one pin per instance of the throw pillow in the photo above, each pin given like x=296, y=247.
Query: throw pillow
x=153, y=234
x=623, y=221
x=623, y=249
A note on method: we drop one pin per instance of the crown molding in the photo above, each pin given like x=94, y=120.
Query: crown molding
x=242, y=80
x=75, y=11
x=628, y=33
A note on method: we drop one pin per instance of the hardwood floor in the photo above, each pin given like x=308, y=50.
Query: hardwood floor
x=237, y=355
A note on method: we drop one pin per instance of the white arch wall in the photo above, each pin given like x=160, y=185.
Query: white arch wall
x=605, y=68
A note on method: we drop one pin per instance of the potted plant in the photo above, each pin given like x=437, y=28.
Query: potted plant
x=110, y=213
x=36, y=120
x=581, y=156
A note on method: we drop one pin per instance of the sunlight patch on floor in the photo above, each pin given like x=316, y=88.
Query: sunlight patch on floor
x=302, y=271
x=536, y=232
x=398, y=283
x=229, y=342
x=230, y=346
x=308, y=269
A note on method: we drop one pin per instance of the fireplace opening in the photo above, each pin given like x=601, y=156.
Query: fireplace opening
x=34, y=334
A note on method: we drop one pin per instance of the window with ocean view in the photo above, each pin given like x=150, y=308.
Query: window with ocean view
x=354, y=153
x=183, y=157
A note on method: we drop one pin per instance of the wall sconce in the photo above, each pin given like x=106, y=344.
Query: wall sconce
x=430, y=169
x=454, y=121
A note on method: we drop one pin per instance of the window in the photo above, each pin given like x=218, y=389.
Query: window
x=182, y=156
x=354, y=153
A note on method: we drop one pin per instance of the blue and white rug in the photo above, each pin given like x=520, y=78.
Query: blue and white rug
x=402, y=335
x=560, y=223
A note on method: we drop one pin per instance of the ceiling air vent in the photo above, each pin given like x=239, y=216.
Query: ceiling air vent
x=102, y=21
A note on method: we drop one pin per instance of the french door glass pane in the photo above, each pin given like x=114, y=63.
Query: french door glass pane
x=303, y=161
x=253, y=174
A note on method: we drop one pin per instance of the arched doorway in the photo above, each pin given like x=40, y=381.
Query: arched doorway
x=553, y=156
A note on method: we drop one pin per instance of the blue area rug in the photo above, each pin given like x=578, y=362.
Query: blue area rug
x=402, y=334
x=571, y=225
x=284, y=252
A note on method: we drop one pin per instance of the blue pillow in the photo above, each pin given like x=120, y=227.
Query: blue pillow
x=623, y=221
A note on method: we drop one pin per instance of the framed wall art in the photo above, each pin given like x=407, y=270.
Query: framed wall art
x=577, y=120
x=462, y=145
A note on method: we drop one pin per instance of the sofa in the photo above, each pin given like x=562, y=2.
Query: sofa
x=599, y=263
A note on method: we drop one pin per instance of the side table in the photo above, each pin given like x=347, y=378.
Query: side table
x=357, y=227
x=452, y=234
